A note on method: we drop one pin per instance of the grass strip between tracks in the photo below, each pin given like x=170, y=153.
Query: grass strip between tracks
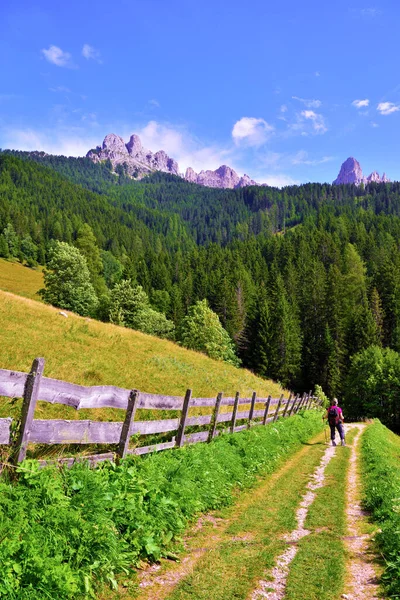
x=251, y=539
x=317, y=572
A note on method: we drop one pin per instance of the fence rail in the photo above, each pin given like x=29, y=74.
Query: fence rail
x=33, y=387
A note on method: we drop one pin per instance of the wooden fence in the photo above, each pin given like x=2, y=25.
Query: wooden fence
x=34, y=386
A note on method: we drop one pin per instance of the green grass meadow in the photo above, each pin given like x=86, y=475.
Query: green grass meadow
x=380, y=451
x=89, y=352
x=21, y=280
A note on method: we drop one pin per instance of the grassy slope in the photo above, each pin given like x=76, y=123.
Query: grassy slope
x=380, y=456
x=20, y=280
x=92, y=353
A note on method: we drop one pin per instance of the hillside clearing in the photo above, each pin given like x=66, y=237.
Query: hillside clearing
x=89, y=352
x=21, y=280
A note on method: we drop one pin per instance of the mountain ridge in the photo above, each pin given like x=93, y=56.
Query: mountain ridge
x=137, y=161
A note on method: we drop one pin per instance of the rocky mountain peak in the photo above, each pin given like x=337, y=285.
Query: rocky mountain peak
x=138, y=161
x=223, y=177
x=134, y=146
x=114, y=144
x=351, y=172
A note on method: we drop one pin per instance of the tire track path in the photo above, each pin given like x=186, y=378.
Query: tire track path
x=275, y=589
x=245, y=531
x=362, y=572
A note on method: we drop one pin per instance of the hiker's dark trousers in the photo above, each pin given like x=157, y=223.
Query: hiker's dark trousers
x=339, y=427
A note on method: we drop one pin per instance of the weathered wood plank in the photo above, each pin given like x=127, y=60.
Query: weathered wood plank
x=123, y=445
x=207, y=402
x=267, y=405
x=93, y=460
x=31, y=393
x=12, y=383
x=56, y=391
x=286, y=406
x=293, y=405
x=251, y=411
x=201, y=420
x=200, y=436
x=240, y=428
x=289, y=408
x=75, y=432
x=234, y=413
x=154, y=448
x=184, y=416
x=5, y=431
x=57, y=431
x=277, y=408
x=301, y=403
x=214, y=420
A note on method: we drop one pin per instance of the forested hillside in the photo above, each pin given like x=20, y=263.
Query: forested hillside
x=302, y=278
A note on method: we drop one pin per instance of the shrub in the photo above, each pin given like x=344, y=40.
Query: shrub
x=130, y=307
x=201, y=330
x=67, y=281
x=65, y=533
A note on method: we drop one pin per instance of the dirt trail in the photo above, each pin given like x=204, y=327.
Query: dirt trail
x=158, y=581
x=275, y=589
x=362, y=572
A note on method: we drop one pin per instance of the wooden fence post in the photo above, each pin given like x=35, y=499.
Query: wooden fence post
x=123, y=445
x=180, y=434
x=286, y=406
x=214, y=420
x=31, y=394
x=234, y=413
x=293, y=405
x=251, y=412
x=268, y=402
x=277, y=408
x=301, y=403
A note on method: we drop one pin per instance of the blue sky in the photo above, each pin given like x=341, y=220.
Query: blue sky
x=283, y=91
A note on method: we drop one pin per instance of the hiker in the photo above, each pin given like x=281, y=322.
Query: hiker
x=334, y=414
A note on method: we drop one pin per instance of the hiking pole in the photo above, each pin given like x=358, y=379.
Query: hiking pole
x=326, y=440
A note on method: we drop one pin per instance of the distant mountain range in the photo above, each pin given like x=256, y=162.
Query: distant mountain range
x=137, y=162
x=351, y=172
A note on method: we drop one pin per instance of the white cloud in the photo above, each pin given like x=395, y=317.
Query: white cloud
x=387, y=108
x=154, y=103
x=283, y=108
x=317, y=120
x=277, y=180
x=250, y=131
x=181, y=145
x=360, y=103
x=373, y=124
x=91, y=53
x=57, y=57
x=67, y=141
x=309, y=103
x=302, y=158
x=317, y=74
